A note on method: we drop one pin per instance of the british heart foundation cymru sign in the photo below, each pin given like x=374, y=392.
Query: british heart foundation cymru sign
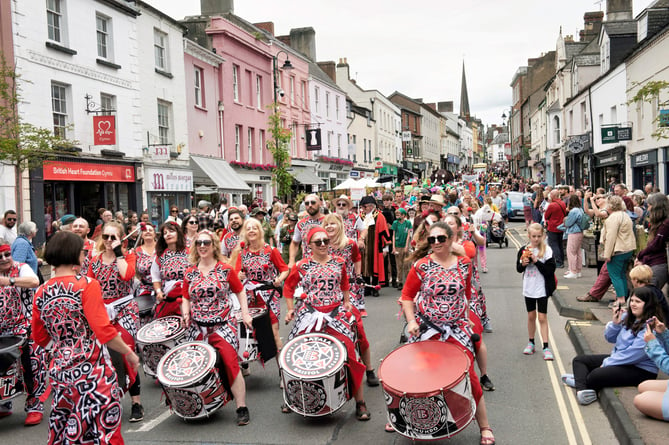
x=104, y=130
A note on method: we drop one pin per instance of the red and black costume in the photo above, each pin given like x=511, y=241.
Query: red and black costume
x=169, y=269
x=143, y=263
x=229, y=242
x=302, y=228
x=70, y=317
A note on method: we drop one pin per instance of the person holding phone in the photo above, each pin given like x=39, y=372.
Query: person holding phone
x=654, y=394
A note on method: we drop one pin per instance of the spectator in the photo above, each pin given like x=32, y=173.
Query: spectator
x=22, y=248
x=106, y=217
x=174, y=215
x=8, y=226
x=572, y=224
x=554, y=216
x=652, y=396
x=617, y=237
x=260, y=214
x=655, y=252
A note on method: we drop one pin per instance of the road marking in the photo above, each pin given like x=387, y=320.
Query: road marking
x=563, y=288
x=151, y=424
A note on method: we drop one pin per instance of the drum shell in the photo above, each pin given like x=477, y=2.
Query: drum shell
x=146, y=304
x=262, y=332
x=322, y=393
x=156, y=338
x=198, y=397
x=11, y=376
x=430, y=415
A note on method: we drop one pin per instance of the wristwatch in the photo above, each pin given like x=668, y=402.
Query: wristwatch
x=12, y=281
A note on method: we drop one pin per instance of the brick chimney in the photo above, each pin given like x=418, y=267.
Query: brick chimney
x=304, y=40
x=265, y=26
x=617, y=10
x=215, y=7
x=343, y=65
x=592, y=23
x=330, y=69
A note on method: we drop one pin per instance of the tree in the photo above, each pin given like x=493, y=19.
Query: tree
x=278, y=146
x=22, y=144
x=650, y=93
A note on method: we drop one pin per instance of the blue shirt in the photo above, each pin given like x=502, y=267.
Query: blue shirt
x=658, y=351
x=629, y=349
x=23, y=252
x=572, y=221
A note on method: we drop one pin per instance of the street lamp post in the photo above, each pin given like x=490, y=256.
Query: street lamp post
x=278, y=159
x=286, y=66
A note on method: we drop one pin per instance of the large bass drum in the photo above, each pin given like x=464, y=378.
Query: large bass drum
x=315, y=381
x=158, y=337
x=260, y=344
x=11, y=377
x=427, y=390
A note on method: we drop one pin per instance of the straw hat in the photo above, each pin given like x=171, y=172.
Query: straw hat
x=437, y=199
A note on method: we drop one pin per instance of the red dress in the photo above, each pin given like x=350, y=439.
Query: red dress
x=168, y=269
x=86, y=406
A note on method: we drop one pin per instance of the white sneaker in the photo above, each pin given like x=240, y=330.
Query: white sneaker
x=586, y=396
x=571, y=275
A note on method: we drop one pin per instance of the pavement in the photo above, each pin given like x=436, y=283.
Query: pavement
x=586, y=331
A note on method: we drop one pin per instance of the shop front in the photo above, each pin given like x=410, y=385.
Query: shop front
x=165, y=188
x=644, y=169
x=333, y=171
x=452, y=163
x=217, y=175
x=577, y=160
x=609, y=164
x=261, y=187
x=81, y=187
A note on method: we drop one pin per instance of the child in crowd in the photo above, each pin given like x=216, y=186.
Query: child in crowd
x=535, y=261
x=642, y=275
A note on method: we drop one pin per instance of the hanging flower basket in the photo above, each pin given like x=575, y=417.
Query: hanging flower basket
x=336, y=161
x=251, y=166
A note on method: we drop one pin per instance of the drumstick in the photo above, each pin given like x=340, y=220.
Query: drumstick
x=141, y=226
x=246, y=353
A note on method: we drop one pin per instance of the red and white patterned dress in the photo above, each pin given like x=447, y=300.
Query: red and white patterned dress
x=86, y=406
x=229, y=242
x=168, y=269
x=302, y=230
x=16, y=305
x=212, y=317
x=89, y=249
x=351, y=255
x=352, y=226
x=263, y=265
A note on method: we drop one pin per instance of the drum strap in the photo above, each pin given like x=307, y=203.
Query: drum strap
x=428, y=324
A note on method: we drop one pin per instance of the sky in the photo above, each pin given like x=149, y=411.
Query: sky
x=418, y=47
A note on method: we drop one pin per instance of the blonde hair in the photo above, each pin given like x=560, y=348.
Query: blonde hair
x=539, y=228
x=100, y=245
x=616, y=203
x=642, y=273
x=252, y=222
x=340, y=240
x=194, y=255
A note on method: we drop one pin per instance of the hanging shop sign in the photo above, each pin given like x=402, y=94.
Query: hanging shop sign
x=314, y=139
x=104, y=130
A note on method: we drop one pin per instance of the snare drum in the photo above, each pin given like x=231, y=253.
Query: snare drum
x=191, y=380
x=261, y=344
x=427, y=390
x=315, y=381
x=158, y=337
x=11, y=377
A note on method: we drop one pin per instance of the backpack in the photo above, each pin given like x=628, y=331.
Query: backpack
x=584, y=221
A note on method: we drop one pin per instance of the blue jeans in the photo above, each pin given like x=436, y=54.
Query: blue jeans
x=555, y=243
x=617, y=267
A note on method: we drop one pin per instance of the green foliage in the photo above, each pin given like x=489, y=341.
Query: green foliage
x=278, y=146
x=650, y=93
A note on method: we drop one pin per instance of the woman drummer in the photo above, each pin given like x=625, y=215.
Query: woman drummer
x=86, y=406
x=115, y=271
x=190, y=228
x=326, y=290
x=347, y=249
x=257, y=263
x=167, y=270
x=207, y=307
x=444, y=282
x=145, y=256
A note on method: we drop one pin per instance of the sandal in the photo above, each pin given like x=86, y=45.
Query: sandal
x=587, y=298
x=285, y=409
x=389, y=428
x=361, y=411
x=487, y=440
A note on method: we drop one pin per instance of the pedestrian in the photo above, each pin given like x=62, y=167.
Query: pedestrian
x=655, y=252
x=375, y=237
x=8, y=227
x=554, y=216
x=286, y=234
x=209, y=286
x=652, y=397
x=314, y=218
x=115, y=270
x=86, y=403
x=617, y=239
x=628, y=364
x=106, y=216
x=445, y=316
x=190, y=228
x=574, y=232
x=535, y=261
x=174, y=215
x=167, y=270
x=401, y=228
x=23, y=250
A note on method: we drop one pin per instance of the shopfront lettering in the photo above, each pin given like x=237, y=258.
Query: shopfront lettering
x=169, y=180
x=74, y=171
x=642, y=159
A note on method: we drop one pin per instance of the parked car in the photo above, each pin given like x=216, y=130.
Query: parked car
x=515, y=211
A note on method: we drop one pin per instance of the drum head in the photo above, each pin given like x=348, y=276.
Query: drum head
x=423, y=368
x=312, y=356
x=160, y=330
x=186, y=364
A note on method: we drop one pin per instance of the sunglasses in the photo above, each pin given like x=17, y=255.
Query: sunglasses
x=10, y=219
x=434, y=239
x=310, y=203
x=203, y=242
x=174, y=211
x=453, y=213
x=192, y=222
x=106, y=236
x=342, y=204
x=321, y=242
x=6, y=255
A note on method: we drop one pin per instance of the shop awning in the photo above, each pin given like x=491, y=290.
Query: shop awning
x=306, y=176
x=218, y=173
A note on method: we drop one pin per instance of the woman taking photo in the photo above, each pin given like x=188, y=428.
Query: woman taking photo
x=167, y=270
x=628, y=364
x=86, y=406
x=572, y=224
x=115, y=271
x=655, y=253
x=653, y=394
x=190, y=227
x=145, y=256
x=325, y=284
x=209, y=288
x=258, y=263
x=619, y=243
x=443, y=269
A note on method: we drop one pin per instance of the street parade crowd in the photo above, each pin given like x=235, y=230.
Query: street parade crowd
x=210, y=282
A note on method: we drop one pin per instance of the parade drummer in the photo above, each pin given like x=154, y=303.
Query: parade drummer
x=115, y=270
x=210, y=287
x=86, y=406
x=326, y=301
x=145, y=255
x=257, y=263
x=17, y=284
x=444, y=282
x=347, y=249
x=167, y=270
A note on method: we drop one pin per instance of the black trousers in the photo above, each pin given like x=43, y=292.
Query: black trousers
x=589, y=373
x=392, y=270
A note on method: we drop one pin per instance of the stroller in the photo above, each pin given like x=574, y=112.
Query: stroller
x=496, y=233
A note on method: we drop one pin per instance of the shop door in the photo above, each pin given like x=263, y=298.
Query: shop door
x=88, y=199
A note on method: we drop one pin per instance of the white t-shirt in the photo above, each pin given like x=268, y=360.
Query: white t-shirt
x=534, y=285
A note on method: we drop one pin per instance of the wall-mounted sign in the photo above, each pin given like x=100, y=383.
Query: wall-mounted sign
x=625, y=133
x=160, y=180
x=160, y=152
x=406, y=136
x=104, y=130
x=664, y=118
x=79, y=171
x=314, y=139
x=609, y=135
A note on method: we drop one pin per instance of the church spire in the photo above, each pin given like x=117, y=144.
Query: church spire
x=464, y=97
